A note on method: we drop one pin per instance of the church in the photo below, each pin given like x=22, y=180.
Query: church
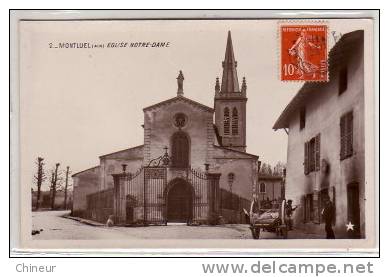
x=192, y=167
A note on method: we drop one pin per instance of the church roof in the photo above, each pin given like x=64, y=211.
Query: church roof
x=121, y=151
x=235, y=151
x=179, y=98
x=85, y=170
x=230, y=75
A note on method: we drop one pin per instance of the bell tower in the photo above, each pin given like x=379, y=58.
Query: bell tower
x=230, y=103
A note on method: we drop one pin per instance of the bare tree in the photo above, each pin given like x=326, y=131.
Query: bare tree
x=277, y=170
x=67, y=186
x=55, y=184
x=39, y=178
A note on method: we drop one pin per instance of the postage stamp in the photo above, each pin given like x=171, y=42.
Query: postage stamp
x=304, y=53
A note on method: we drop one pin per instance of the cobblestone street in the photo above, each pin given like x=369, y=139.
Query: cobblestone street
x=55, y=226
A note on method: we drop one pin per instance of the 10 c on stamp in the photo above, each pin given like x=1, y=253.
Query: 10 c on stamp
x=304, y=53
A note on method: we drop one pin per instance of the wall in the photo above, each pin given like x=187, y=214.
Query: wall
x=84, y=183
x=244, y=167
x=159, y=128
x=323, y=114
x=273, y=189
x=112, y=163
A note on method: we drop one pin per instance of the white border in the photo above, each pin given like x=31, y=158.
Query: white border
x=15, y=16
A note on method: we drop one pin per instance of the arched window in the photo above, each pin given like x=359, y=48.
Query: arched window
x=235, y=122
x=180, y=150
x=226, y=121
x=262, y=188
x=231, y=178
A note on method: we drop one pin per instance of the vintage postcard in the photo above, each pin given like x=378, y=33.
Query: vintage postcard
x=227, y=134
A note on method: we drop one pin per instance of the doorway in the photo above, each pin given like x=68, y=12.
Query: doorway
x=353, y=210
x=179, y=202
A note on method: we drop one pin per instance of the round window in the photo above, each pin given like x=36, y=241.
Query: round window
x=180, y=120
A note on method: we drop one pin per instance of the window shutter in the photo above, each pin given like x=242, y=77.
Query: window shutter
x=235, y=121
x=350, y=134
x=306, y=161
x=342, y=137
x=317, y=152
x=226, y=121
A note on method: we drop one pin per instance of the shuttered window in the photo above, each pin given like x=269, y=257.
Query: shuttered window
x=312, y=155
x=235, y=120
x=226, y=121
x=346, y=135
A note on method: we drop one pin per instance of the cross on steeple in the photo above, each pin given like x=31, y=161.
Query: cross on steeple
x=230, y=76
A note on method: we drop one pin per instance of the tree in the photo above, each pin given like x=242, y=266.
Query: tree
x=67, y=186
x=279, y=169
x=39, y=178
x=55, y=184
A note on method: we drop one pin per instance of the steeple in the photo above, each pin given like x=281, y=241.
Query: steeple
x=230, y=104
x=230, y=76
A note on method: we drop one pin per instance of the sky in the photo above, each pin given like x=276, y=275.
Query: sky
x=79, y=104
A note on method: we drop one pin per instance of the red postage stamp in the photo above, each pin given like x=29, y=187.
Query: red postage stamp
x=304, y=53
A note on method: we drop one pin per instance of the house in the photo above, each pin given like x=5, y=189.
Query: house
x=325, y=123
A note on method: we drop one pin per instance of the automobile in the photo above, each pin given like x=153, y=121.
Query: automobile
x=271, y=220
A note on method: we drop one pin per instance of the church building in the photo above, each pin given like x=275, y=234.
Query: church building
x=192, y=167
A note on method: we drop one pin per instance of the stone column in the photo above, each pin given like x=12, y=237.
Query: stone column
x=213, y=197
x=118, y=180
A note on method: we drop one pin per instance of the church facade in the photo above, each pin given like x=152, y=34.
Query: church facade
x=192, y=167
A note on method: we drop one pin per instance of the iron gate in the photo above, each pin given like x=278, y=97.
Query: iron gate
x=141, y=198
x=199, y=183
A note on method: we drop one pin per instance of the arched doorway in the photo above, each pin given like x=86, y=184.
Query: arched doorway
x=179, y=202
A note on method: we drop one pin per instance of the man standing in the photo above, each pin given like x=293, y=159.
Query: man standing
x=289, y=212
x=328, y=216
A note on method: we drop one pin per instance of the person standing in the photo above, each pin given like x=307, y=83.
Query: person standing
x=289, y=213
x=328, y=216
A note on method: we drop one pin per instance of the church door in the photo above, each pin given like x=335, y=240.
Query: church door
x=180, y=150
x=179, y=202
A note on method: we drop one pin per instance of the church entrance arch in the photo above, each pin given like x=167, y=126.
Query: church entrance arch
x=179, y=201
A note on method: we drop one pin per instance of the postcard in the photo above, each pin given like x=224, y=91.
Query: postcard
x=190, y=134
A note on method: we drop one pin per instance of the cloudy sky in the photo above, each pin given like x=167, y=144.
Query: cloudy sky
x=78, y=104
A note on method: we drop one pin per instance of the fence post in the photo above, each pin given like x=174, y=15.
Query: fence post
x=116, y=196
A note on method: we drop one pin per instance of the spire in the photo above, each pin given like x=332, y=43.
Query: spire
x=230, y=76
x=217, y=85
x=244, y=85
x=180, y=84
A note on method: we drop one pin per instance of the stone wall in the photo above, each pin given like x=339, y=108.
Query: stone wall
x=84, y=183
